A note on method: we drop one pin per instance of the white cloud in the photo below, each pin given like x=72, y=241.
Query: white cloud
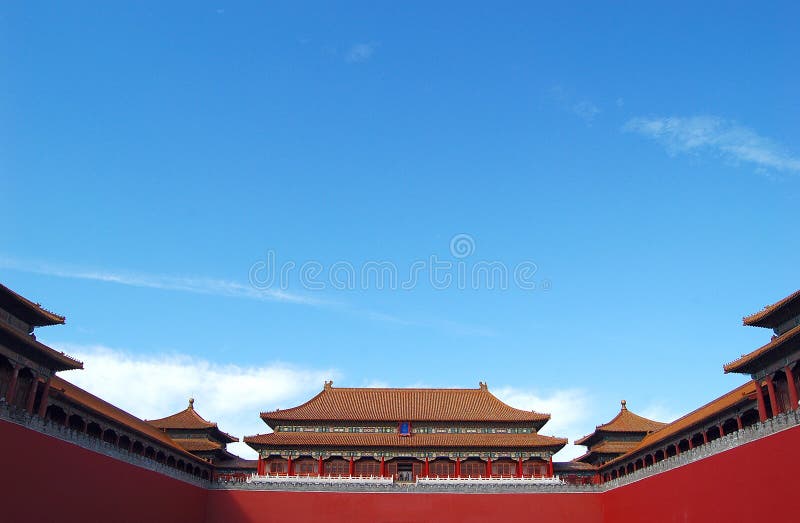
x=360, y=52
x=569, y=410
x=585, y=110
x=728, y=139
x=155, y=386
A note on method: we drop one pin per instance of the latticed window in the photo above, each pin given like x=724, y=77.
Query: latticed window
x=504, y=468
x=337, y=467
x=306, y=466
x=277, y=466
x=367, y=467
x=534, y=468
x=442, y=467
x=473, y=468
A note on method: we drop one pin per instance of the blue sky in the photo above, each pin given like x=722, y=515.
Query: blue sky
x=646, y=160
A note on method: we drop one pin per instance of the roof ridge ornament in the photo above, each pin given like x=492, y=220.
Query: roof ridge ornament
x=191, y=403
x=328, y=384
x=624, y=405
x=483, y=386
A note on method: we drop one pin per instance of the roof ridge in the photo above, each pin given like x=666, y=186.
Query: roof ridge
x=395, y=403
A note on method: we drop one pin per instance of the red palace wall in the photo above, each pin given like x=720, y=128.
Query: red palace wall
x=45, y=479
x=48, y=480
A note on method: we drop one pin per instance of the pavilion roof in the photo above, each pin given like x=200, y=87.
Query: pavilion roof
x=38, y=351
x=396, y=404
x=189, y=419
x=237, y=462
x=625, y=421
x=744, y=392
x=573, y=466
x=198, y=444
x=364, y=440
x=77, y=395
x=609, y=447
x=26, y=310
x=750, y=363
x=773, y=315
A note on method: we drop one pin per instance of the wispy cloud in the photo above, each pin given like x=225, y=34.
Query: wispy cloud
x=570, y=410
x=232, y=289
x=197, y=285
x=578, y=106
x=715, y=135
x=661, y=411
x=154, y=386
x=360, y=52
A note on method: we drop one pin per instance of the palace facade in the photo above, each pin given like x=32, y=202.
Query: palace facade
x=404, y=434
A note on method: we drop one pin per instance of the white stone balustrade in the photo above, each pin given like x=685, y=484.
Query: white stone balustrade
x=321, y=480
x=490, y=481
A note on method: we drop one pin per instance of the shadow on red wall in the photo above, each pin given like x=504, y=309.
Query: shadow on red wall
x=48, y=480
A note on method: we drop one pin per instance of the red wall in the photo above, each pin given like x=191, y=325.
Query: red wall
x=758, y=481
x=244, y=506
x=45, y=479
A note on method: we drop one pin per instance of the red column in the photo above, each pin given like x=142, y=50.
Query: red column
x=352, y=470
x=260, y=465
x=427, y=468
x=458, y=467
x=550, y=468
x=32, y=395
x=762, y=405
x=691, y=445
x=739, y=425
x=289, y=466
x=721, y=430
x=321, y=467
x=383, y=466
x=12, y=385
x=489, y=467
x=773, y=398
x=705, y=436
x=45, y=398
x=519, y=467
x=792, y=387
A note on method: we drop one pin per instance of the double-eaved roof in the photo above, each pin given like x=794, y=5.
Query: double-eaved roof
x=385, y=440
x=624, y=422
x=782, y=316
x=396, y=405
x=189, y=420
x=19, y=338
